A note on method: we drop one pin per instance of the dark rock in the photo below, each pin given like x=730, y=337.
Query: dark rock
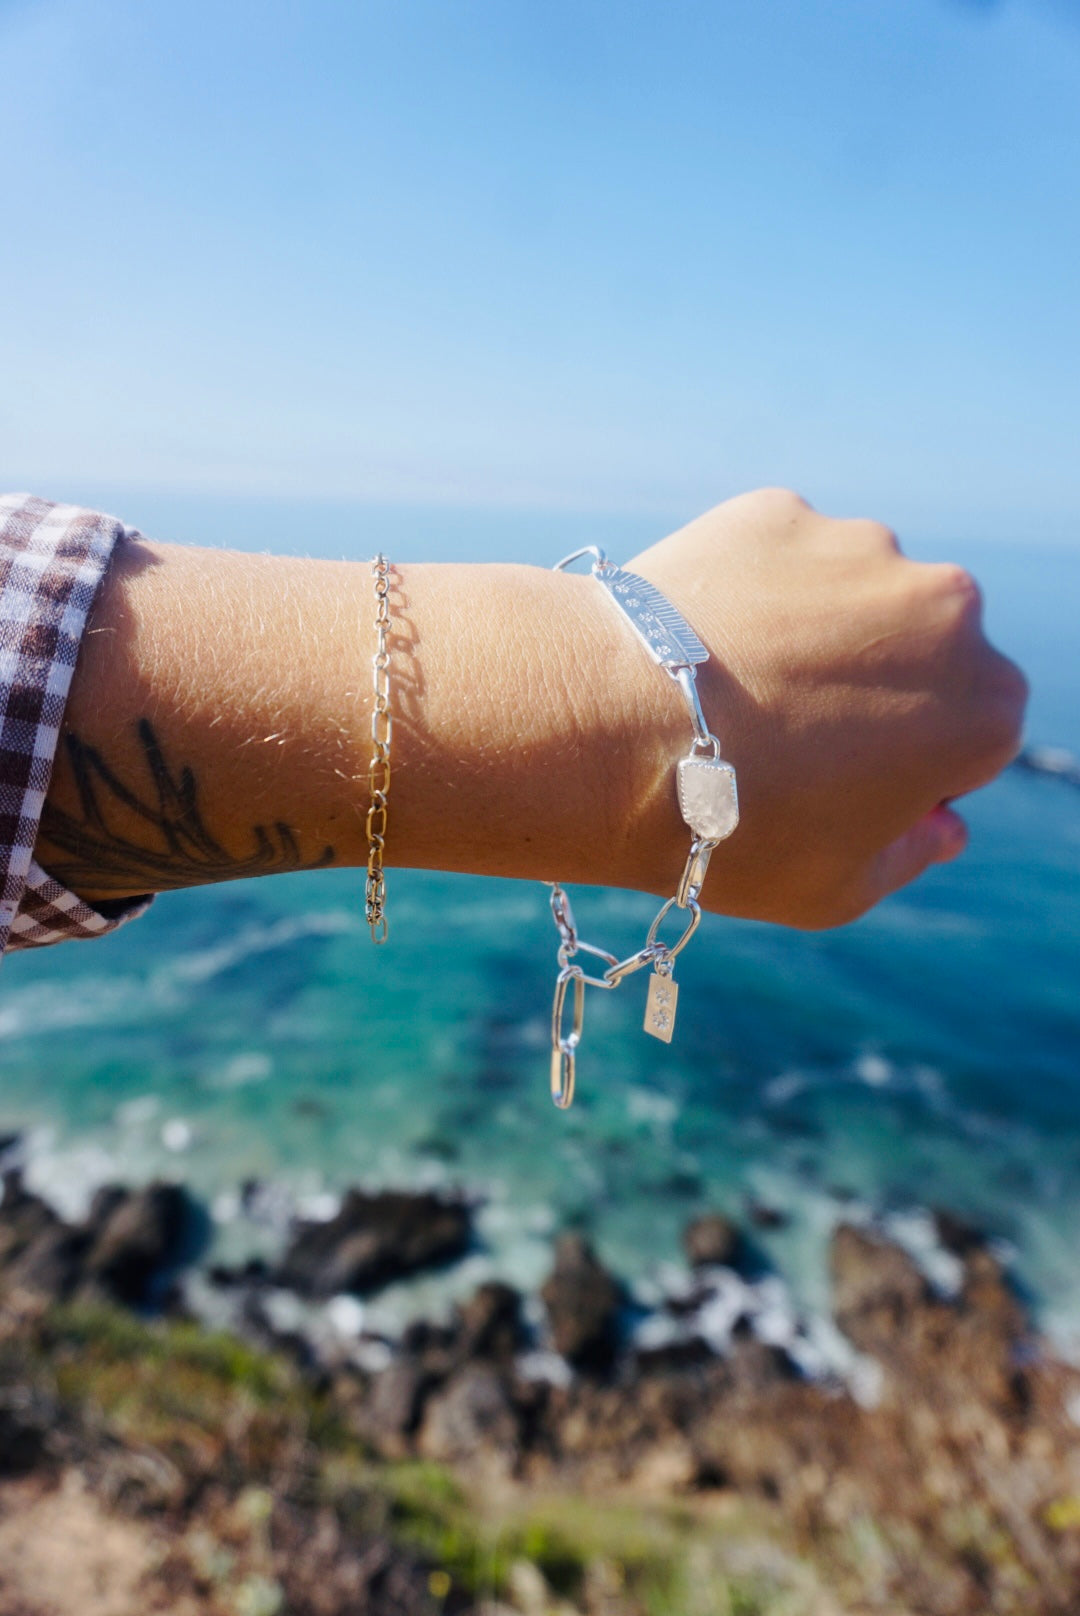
x=39, y=1253
x=755, y=1366
x=136, y=1237
x=255, y=1271
x=421, y=1337
x=391, y=1410
x=124, y=1249
x=107, y=1200
x=673, y=1358
x=876, y=1287
x=766, y=1217
x=582, y=1301
x=994, y=1333
x=711, y=1238
x=489, y=1323
x=374, y=1239
x=26, y=1418
x=51, y=1265
x=22, y=1218
x=957, y=1236
x=966, y=1352
x=473, y=1411
x=10, y=1144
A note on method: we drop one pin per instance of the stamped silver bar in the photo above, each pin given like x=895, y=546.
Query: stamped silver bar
x=664, y=632
x=660, y=1006
x=708, y=798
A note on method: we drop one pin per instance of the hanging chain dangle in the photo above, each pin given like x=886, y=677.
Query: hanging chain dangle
x=382, y=729
x=708, y=801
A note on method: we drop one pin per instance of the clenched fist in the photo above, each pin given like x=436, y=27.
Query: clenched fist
x=853, y=689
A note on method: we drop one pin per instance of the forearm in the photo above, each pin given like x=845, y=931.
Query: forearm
x=219, y=726
x=219, y=720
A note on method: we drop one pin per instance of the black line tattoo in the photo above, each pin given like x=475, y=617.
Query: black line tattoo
x=179, y=850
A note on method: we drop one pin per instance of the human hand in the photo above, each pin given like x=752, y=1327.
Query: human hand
x=853, y=689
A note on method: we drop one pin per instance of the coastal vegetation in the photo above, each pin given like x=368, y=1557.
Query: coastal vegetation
x=176, y=1468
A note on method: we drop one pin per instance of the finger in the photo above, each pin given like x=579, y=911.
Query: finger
x=936, y=838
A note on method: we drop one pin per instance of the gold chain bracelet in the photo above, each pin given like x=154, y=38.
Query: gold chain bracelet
x=382, y=728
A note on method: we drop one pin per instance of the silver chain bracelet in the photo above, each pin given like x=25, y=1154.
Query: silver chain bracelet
x=708, y=802
x=382, y=727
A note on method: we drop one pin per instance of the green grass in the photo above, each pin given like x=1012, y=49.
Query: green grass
x=226, y=1415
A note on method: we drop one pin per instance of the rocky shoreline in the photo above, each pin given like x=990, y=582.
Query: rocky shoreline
x=943, y=1477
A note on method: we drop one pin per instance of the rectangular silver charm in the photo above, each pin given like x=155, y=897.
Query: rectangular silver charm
x=665, y=633
x=660, y=1006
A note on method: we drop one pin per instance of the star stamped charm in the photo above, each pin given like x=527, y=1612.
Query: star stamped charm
x=660, y=1006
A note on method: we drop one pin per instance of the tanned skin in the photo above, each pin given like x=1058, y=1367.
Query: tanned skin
x=219, y=718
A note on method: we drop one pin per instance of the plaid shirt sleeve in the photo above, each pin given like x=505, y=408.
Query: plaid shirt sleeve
x=52, y=559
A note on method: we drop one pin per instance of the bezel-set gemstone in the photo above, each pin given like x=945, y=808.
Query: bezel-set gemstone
x=708, y=798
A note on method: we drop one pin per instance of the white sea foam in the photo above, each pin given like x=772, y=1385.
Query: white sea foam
x=286, y=1312
x=346, y=1315
x=249, y=1066
x=202, y=965
x=872, y=1069
x=177, y=1135
x=916, y=1231
x=727, y=1303
x=912, y=919
x=138, y=1113
x=372, y=1355
x=92, y=1001
x=779, y=1090
x=534, y=1033
x=122, y=1000
x=544, y=1366
x=226, y=1206
x=648, y=1105
x=67, y=1176
x=318, y=1206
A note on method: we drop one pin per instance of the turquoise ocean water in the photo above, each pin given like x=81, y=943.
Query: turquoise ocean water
x=927, y=1056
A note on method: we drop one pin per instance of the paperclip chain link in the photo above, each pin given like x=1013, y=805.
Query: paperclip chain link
x=382, y=728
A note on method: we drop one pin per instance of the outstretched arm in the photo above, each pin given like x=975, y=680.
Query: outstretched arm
x=219, y=719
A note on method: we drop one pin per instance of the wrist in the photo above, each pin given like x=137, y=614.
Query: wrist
x=557, y=733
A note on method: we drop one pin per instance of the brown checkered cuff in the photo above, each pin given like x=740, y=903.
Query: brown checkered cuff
x=52, y=559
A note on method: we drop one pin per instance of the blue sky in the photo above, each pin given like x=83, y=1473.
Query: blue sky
x=612, y=259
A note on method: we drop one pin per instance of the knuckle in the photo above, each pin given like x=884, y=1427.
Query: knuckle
x=1005, y=696
x=785, y=501
x=1014, y=685
x=1006, y=732
x=872, y=535
x=881, y=536
x=957, y=588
